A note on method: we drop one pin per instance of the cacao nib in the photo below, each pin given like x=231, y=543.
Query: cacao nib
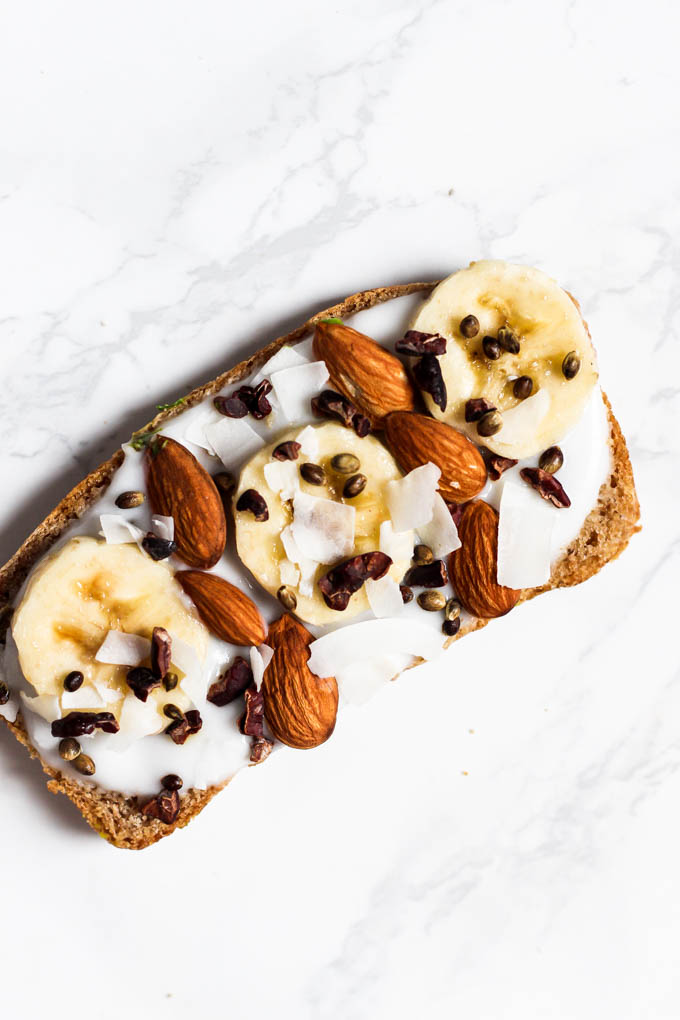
x=164, y=806
x=330, y=404
x=181, y=729
x=258, y=405
x=230, y=407
x=286, y=451
x=546, y=485
x=406, y=593
x=77, y=724
x=428, y=375
x=253, y=719
x=260, y=749
x=415, y=342
x=495, y=464
x=477, y=408
x=141, y=682
x=158, y=548
x=252, y=502
x=428, y=575
x=456, y=511
x=341, y=582
x=161, y=652
x=231, y=683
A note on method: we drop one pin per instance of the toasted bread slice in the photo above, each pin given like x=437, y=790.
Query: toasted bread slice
x=118, y=818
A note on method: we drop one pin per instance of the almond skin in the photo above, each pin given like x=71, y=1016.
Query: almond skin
x=225, y=610
x=472, y=568
x=415, y=439
x=363, y=371
x=300, y=707
x=180, y=488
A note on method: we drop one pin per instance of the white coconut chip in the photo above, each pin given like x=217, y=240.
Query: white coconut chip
x=525, y=527
x=410, y=500
x=384, y=596
x=295, y=387
x=307, y=566
x=85, y=697
x=164, y=527
x=138, y=719
x=260, y=657
x=45, y=705
x=121, y=649
x=194, y=431
x=109, y=695
x=362, y=680
x=322, y=529
x=118, y=531
x=287, y=357
x=372, y=639
x=524, y=418
x=440, y=534
x=289, y=573
x=309, y=442
x=398, y=545
x=233, y=440
x=282, y=477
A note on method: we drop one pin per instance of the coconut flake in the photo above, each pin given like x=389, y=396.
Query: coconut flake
x=138, y=719
x=282, y=477
x=286, y=357
x=307, y=566
x=525, y=526
x=85, y=697
x=109, y=695
x=309, y=442
x=164, y=527
x=233, y=441
x=397, y=544
x=384, y=596
x=322, y=528
x=289, y=573
x=260, y=657
x=295, y=387
x=45, y=705
x=117, y=530
x=195, y=429
x=371, y=639
x=9, y=710
x=524, y=418
x=441, y=534
x=120, y=649
x=410, y=500
x=362, y=680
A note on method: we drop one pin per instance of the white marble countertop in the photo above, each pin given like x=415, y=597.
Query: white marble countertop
x=496, y=837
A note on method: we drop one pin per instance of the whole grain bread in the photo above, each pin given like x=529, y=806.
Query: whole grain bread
x=118, y=818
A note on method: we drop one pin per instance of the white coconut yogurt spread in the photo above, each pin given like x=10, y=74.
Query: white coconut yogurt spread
x=219, y=750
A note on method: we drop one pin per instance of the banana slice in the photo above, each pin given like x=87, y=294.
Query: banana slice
x=302, y=538
x=80, y=593
x=548, y=325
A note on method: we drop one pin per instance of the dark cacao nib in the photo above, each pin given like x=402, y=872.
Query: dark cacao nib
x=330, y=404
x=477, y=408
x=158, y=548
x=245, y=399
x=415, y=342
x=77, y=724
x=260, y=749
x=547, y=486
x=495, y=464
x=161, y=652
x=286, y=451
x=341, y=582
x=429, y=378
x=428, y=575
x=232, y=683
x=252, y=720
x=164, y=806
x=456, y=511
x=406, y=594
x=181, y=729
x=231, y=407
x=257, y=402
x=141, y=682
x=252, y=502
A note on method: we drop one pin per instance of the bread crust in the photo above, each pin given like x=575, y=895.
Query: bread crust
x=118, y=818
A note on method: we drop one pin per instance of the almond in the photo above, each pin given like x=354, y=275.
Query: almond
x=225, y=610
x=363, y=371
x=300, y=707
x=180, y=488
x=472, y=568
x=415, y=439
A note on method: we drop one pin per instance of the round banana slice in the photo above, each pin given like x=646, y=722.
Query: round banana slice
x=77, y=595
x=548, y=325
x=311, y=527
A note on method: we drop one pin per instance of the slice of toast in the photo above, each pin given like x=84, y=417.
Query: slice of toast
x=118, y=818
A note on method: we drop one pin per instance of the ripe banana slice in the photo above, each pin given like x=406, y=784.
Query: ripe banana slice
x=348, y=527
x=81, y=592
x=549, y=326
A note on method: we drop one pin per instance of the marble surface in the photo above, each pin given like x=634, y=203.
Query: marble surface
x=496, y=837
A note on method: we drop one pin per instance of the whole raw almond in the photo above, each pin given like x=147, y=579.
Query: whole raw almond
x=180, y=488
x=472, y=568
x=224, y=609
x=415, y=439
x=300, y=707
x=368, y=375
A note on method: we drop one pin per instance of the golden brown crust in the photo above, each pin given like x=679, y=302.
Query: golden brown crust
x=118, y=818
